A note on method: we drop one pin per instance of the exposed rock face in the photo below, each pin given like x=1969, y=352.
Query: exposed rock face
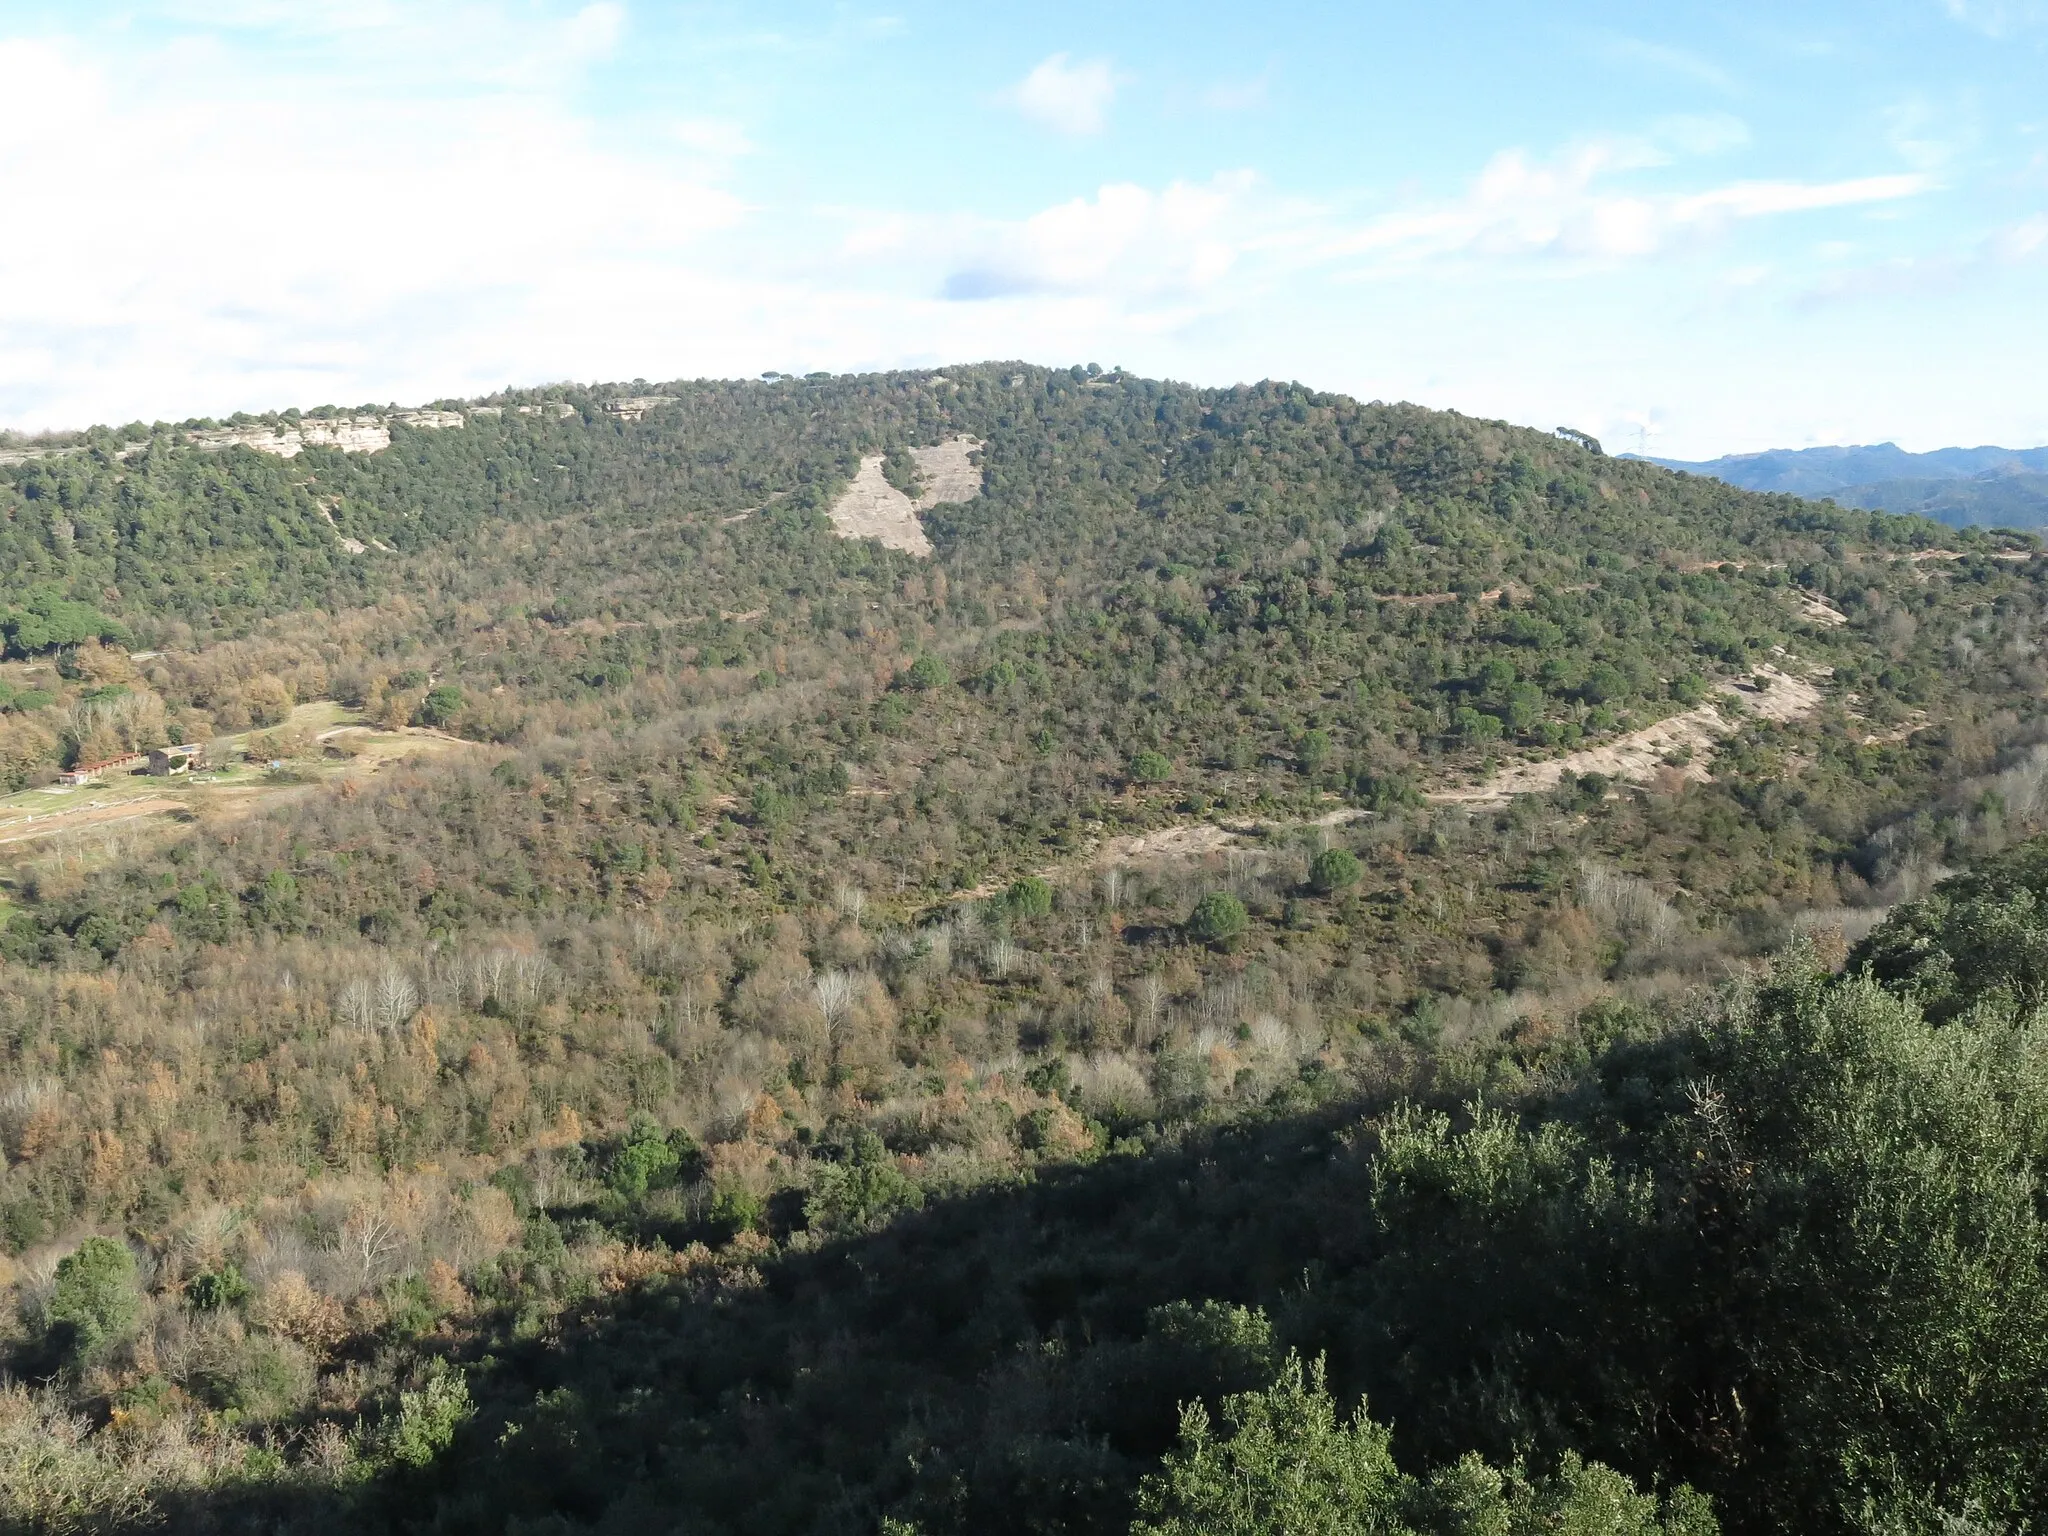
x=358, y=434
x=949, y=472
x=352, y=434
x=872, y=508
x=633, y=407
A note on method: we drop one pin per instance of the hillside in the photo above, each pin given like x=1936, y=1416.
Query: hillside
x=1996, y=499
x=664, y=1012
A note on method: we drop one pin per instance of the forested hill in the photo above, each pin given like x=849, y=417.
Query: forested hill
x=1195, y=521
x=653, y=1015
x=1107, y=476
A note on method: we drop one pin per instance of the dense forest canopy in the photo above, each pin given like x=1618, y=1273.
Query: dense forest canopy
x=798, y=1036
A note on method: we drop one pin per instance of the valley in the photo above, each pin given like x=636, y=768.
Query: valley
x=827, y=954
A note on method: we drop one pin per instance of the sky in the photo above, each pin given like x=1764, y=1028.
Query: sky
x=1689, y=229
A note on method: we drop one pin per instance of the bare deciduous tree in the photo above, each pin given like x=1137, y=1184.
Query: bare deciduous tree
x=367, y=1242
x=397, y=999
x=357, y=1006
x=833, y=992
x=1002, y=956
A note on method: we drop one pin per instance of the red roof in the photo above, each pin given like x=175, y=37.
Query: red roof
x=109, y=762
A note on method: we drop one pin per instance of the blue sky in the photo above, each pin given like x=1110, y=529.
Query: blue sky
x=1690, y=229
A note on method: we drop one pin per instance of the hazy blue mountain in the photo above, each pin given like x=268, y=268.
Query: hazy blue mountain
x=2017, y=499
x=1824, y=471
x=2002, y=487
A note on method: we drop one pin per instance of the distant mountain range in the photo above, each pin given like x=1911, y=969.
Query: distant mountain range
x=2003, y=487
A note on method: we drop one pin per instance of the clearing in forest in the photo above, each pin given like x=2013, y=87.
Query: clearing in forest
x=320, y=741
x=1640, y=755
x=872, y=508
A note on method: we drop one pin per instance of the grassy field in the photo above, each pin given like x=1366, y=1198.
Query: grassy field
x=321, y=741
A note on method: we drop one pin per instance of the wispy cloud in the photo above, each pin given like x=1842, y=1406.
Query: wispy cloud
x=397, y=44
x=1682, y=62
x=1998, y=18
x=1126, y=240
x=1066, y=95
x=1519, y=207
x=2015, y=245
x=2022, y=241
x=1239, y=95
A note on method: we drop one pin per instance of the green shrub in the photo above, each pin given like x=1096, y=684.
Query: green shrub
x=862, y=1191
x=646, y=1159
x=1029, y=897
x=217, y=1289
x=1979, y=936
x=96, y=1299
x=1288, y=1463
x=928, y=673
x=1218, y=918
x=737, y=1210
x=427, y=1420
x=1333, y=869
x=1383, y=793
x=256, y=1377
x=441, y=706
x=1151, y=767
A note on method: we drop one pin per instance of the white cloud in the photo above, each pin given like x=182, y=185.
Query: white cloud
x=1126, y=240
x=716, y=137
x=2023, y=240
x=1701, y=133
x=1998, y=18
x=401, y=199
x=1066, y=96
x=213, y=234
x=396, y=42
x=1518, y=206
x=1240, y=95
x=1940, y=272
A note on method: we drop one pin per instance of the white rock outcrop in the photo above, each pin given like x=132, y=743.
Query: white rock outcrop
x=872, y=508
x=633, y=407
x=353, y=434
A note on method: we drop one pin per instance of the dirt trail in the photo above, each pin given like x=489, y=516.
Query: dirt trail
x=872, y=508
x=1186, y=840
x=1639, y=756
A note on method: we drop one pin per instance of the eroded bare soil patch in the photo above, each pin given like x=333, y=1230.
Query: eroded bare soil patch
x=872, y=508
x=1640, y=755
